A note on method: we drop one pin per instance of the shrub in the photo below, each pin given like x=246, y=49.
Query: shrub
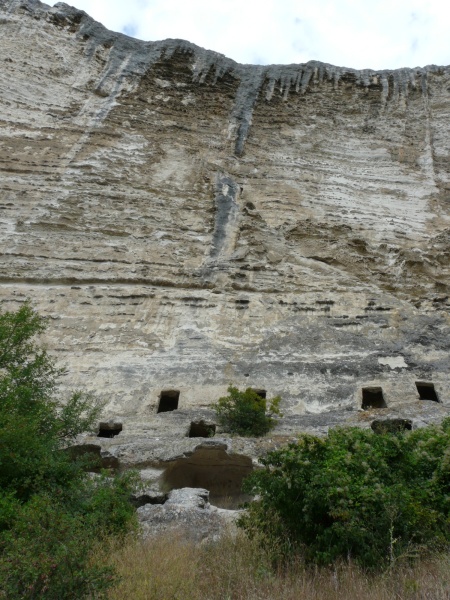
x=246, y=413
x=52, y=514
x=354, y=495
x=47, y=555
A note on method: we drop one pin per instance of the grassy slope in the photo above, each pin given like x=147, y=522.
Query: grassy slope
x=169, y=568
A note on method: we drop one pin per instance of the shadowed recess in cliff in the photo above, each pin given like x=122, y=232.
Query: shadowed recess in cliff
x=212, y=468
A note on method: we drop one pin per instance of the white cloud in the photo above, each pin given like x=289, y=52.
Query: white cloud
x=354, y=33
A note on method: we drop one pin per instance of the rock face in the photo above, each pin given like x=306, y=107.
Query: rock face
x=187, y=222
x=187, y=510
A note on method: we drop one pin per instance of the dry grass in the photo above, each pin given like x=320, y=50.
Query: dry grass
x=171, y=568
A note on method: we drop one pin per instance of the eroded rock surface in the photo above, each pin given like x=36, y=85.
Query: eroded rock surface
x=186, y=222
x=187, y=511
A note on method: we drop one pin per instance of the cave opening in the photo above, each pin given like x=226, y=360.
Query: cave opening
x=168, y=401
x=201, y=429
x=109, y=430
x=211, y=468
x=426, y=391
x=261, y=393
x=372, y=397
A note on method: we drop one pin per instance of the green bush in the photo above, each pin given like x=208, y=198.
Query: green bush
x=246, y=413
x=357, y=495
x=47, y=555
x=52, y=514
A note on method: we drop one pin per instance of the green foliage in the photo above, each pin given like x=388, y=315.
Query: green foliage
x=46, y=555
x=354, y=495
x=34, y=423
x=51, y=513
x=246, y=413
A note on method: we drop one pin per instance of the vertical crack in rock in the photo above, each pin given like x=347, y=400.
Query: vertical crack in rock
x=251, y=80
x=246, y=97
x=426, y=160
x=98, y=115
x=227, y=215
x=124, y=67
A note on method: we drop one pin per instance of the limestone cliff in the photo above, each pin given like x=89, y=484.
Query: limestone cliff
x=187, y=222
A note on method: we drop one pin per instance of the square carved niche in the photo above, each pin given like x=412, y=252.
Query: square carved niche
x=168, y=400
x=372, y=397
x=426, y=391
x=109, y=429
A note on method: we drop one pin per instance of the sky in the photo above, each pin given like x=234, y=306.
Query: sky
x=375, y=34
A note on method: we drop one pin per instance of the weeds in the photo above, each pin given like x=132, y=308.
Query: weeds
x=235, y=568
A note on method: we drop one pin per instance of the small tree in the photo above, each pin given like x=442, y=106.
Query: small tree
x=52, y=514
x=34, y=423
x=246, y=413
